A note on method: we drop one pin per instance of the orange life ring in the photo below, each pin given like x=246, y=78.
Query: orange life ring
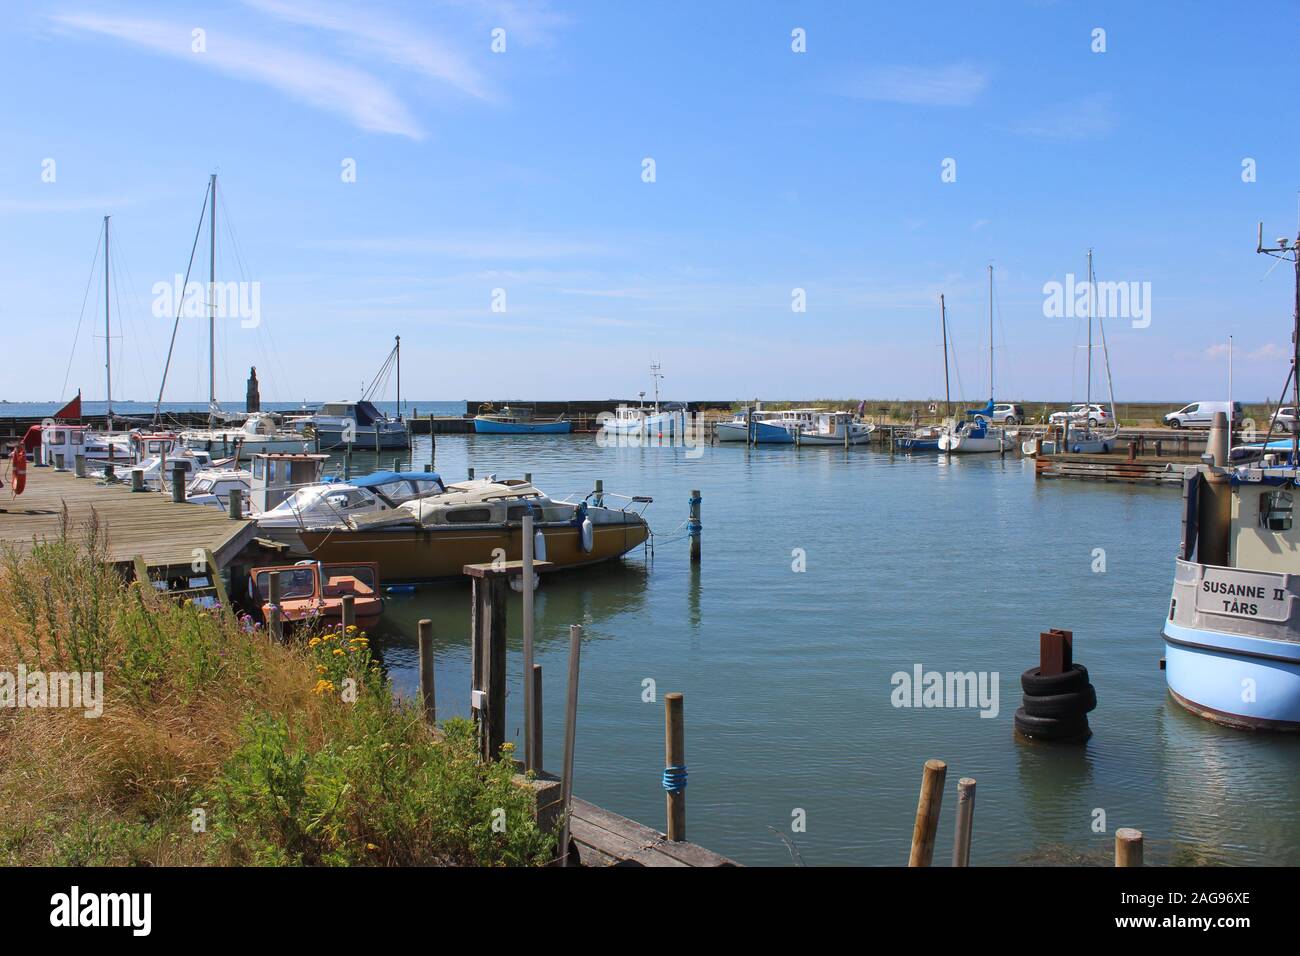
x=19, y=464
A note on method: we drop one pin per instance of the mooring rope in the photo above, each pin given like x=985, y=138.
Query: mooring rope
x=675, y=778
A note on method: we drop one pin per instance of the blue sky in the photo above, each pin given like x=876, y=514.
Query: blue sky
x=523, y=170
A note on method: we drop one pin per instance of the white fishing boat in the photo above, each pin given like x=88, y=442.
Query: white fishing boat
x=658, y=421
x=753, y=424
x=977, y=433
x=1088, y=438
x=834, y=428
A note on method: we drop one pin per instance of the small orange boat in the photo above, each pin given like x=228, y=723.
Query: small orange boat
x=311, y=589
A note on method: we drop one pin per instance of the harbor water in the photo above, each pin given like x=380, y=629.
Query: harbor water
x=827, y=572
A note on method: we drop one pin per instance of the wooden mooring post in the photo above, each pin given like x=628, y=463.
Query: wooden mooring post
x=526, y=582
x=965, y=822
x=349, y=611
x=538, y=758
x=570, y=738
x=427, y=698
x=927, y=813
x=1128, y=847
x=675, y=765
x=694, y=527
x=178, y=484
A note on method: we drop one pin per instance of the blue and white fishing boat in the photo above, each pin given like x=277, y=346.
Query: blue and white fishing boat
x=761, y=427
x=518, y=421
x=1232, y=633
x=660, y=421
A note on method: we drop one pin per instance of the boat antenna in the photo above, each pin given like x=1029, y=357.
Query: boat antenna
x=947, y=392
x=656, y=376
x=1290, y=251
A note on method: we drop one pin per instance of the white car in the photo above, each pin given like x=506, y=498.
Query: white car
x=1094, y=415
x=1283, y=420
x=1202, y=414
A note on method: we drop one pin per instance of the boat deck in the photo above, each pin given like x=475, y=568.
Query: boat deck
x=149, y=524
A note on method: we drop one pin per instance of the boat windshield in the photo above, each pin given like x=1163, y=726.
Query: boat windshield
x=326, y=498
x=297, y=582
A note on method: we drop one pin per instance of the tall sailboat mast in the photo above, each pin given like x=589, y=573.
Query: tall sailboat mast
x=943, y=324
x=1088, y=387
x=990, y=332
x=398, y=350
x=212, y=301
x=108, y=334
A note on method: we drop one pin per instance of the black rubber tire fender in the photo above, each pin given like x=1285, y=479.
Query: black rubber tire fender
x=1040, y=685
x=1073, y=703
x=1052, y=728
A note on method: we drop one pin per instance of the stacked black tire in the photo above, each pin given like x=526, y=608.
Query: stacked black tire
x=1056, y=706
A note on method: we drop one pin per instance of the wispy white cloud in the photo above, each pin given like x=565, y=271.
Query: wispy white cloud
x=1088, y=117
x=958, y=84
x=397, y=42
x=1268, y=352
x=319, y=82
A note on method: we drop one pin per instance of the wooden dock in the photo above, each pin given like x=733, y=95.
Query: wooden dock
x=1147, y=470
x=606, y=839
x=146, y=523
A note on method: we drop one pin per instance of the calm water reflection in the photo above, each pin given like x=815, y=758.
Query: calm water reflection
x=954, y=565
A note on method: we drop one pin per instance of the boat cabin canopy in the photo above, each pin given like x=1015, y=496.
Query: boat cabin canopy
x=277, y=475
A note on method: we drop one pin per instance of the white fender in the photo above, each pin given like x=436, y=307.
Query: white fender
x=588, y=535
x=539, y=546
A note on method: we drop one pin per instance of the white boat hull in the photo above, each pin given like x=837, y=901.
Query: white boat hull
x=966, y=444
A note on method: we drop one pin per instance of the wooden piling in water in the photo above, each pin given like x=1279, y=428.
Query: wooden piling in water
x=694, y=527
x=927, y=813
x=349, y=609
x=526, y=582
x=965, y=822
x=570, y=737
x=427, y=698
x=538, y=758
x=1128, y=847
x=675, y=765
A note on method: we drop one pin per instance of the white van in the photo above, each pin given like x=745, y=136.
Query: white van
x=1201, y=414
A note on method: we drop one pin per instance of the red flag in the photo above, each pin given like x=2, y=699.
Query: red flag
x=70, y=411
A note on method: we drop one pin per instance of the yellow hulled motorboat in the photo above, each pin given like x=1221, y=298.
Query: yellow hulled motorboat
x=476, y=522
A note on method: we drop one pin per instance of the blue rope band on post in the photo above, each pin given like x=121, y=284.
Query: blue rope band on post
x=675, y=778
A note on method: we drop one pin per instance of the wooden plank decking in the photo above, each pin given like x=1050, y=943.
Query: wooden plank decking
x=1114, y=467
x=145, y=523
x=606, y=839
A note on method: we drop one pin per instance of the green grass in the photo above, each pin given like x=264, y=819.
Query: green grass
x=219, y=746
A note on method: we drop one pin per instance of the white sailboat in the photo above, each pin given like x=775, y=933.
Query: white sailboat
x=977, y=432
x=1088, y=440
